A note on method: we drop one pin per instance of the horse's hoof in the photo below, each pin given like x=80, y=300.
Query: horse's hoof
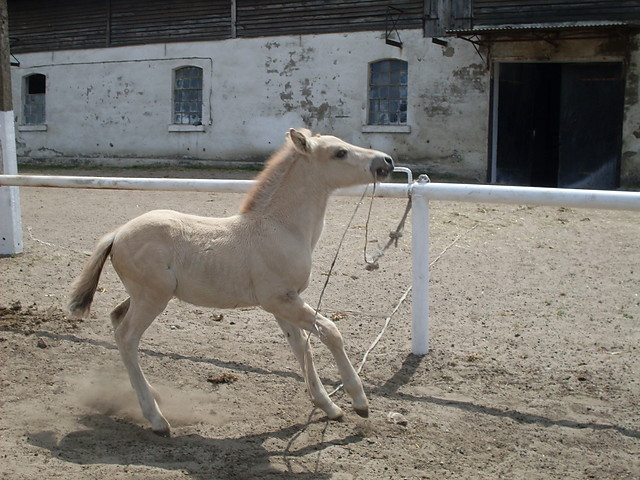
x=337, y=414
x=165, y=432
x=363, y=412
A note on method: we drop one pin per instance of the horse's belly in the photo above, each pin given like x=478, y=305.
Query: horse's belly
x=215, y=286
x=212, y=299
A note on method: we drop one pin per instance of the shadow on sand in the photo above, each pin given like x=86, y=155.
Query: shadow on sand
x=107, y=440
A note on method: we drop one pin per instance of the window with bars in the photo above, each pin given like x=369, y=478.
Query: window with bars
x=388, y=81
x=187, y=96
x=33, y=108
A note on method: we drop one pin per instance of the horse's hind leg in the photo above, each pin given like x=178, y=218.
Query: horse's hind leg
x=119, y=312
x=129, y=329
x=302, y=350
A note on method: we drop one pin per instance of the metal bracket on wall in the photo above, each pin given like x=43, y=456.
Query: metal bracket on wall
x=477, y=43
x=391, y=34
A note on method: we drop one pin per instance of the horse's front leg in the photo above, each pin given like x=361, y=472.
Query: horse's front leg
x=302, y=350
x=291, y=309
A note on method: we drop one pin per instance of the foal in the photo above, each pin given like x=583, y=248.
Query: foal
x=262, y=256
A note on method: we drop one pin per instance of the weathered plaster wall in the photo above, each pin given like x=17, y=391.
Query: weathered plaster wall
x=630, y=168
x=116, y=103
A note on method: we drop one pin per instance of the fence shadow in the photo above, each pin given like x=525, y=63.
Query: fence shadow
x=409, y=368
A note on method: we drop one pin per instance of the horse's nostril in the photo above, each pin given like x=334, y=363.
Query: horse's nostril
x=381, y=166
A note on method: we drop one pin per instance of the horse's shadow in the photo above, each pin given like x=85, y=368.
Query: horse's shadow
x=108, y=440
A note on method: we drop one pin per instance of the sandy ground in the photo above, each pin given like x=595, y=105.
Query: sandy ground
x=533, y=371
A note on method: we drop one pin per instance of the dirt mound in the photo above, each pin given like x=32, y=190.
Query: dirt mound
x=27, y=320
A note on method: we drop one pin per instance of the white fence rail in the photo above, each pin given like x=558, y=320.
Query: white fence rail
x=421, y=193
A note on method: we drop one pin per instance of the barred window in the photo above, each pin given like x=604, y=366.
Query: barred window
x=33, y=108
x=187, y=96
x=388, y=81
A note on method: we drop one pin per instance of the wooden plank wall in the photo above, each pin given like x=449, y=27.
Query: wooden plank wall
x=36, y=25
x=265, y=18
x=158, y=21
x=500, y=12
x=44, y=25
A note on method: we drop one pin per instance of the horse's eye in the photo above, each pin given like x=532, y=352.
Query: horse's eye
x=341, y=153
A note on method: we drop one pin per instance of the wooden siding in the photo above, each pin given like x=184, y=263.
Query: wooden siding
x=265, y=18
x=501, y=12
x=157, y=21
x=56, y=24
x=45, y=25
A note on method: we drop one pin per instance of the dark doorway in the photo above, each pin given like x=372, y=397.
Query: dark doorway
x=559, y=124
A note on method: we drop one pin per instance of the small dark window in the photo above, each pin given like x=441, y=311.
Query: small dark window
x=388, y=82
x=34, y=99
x=187, y=96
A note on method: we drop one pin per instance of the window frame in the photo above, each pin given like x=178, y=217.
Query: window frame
x=185, y=102
x=385, y=85
x=31, y=102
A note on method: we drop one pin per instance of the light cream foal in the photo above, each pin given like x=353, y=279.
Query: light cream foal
x=262, y=256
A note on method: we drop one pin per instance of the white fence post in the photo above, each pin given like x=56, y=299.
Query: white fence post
x=420, y=265
x=10, y=220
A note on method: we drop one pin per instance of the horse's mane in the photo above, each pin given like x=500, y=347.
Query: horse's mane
x=274, y=171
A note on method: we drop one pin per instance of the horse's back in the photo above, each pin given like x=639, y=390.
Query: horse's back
x=202, y=259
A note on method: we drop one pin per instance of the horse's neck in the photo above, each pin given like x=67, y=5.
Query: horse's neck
x=295, y=200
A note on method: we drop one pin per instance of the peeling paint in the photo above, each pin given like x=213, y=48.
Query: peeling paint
x=273, y=65
x=473, y=75
x=449, y=51
x=632, y=87
x=51, y=151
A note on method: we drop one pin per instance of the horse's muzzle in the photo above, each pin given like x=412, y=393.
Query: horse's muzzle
x=381, y=167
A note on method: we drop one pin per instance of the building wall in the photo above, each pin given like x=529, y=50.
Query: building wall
x=630, y=169
x=114, y=105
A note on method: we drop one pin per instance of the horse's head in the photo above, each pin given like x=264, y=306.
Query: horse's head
x=339, y=163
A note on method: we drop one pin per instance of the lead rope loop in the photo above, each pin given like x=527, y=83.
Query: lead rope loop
x=394, y=236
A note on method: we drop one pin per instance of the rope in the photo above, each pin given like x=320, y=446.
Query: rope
x=335, y=257
x=403, y=297
x=314, y=327
x=372, y=264
x=387, y=319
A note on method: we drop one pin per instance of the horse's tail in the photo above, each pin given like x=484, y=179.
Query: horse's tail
x=84, y=287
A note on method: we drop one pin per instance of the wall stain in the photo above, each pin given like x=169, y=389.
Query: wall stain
x=273, y=64
x=304, y=102
x=449, y=51
x=633, y=79
x=436, y=105
x=473, y=75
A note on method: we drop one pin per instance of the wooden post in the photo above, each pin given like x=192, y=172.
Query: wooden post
x=10, y=222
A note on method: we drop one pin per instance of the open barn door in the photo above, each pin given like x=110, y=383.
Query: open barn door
x=559, y=125
x=591, y=114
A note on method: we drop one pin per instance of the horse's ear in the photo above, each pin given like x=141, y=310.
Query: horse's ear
x=300, y=141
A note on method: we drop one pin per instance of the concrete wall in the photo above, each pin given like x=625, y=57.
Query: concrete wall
x=115, y=103
x=630, y=168
x=114, y=106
